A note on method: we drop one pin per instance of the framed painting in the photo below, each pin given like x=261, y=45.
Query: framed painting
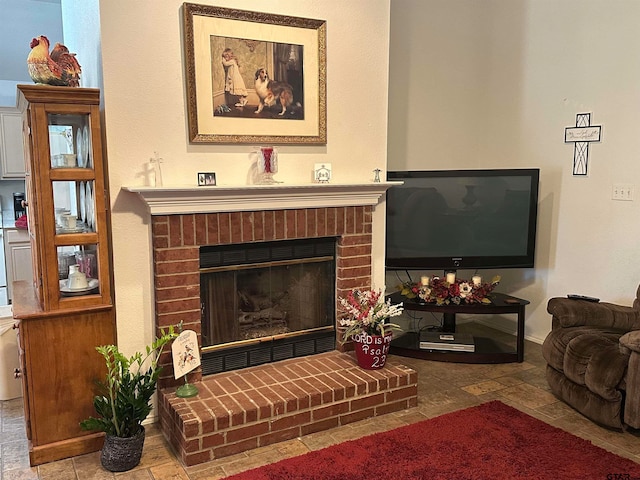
x=254, y=78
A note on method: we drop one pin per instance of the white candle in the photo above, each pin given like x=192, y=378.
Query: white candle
x=477, y=280
x=424, y=280
x=451, y=277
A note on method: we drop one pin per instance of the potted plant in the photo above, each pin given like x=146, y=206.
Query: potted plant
x=124, y=402
x=365, y=318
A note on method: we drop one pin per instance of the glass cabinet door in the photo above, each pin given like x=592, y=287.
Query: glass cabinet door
x=78, y=270
x=73, y=186
x=70, y=141
x=74, y=206
x=69, y=204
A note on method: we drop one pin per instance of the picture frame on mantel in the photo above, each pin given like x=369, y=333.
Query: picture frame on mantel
x=254, y=78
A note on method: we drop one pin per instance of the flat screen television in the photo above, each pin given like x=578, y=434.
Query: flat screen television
x=462, y=219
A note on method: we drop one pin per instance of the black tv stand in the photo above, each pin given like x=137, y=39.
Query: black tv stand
x=448, y=322
x=487, y=350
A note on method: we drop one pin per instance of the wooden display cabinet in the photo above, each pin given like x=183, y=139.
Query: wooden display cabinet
x=63, y=317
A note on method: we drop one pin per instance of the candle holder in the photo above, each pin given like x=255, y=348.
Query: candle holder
x=267, y=165
x=449, y=290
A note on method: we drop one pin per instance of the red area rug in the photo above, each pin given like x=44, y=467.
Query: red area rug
x=489, y=442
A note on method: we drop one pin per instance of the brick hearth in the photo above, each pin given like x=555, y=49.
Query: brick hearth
x=250, y=408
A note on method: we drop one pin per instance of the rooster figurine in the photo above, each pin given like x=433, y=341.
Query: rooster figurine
x=59, y=68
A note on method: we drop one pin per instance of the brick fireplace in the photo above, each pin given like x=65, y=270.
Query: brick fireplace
x=177, y=238
x=244, y=409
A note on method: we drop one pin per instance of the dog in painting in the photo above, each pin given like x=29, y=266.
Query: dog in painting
x=271, y=92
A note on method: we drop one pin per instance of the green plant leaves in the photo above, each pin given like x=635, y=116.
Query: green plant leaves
x=124, y=399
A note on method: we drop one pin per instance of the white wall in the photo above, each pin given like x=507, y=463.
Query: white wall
x=493, y=84
x=471, y=84
x=81, y=19
x=145, y=112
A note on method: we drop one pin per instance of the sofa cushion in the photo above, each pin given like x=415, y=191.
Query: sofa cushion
x=588, y=356
x=571, y=313
x=585, y=401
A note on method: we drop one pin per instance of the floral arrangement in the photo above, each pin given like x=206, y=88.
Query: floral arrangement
x=442, y=292
x=366, y=311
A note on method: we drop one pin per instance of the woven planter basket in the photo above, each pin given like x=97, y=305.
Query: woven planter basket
x=122, y=454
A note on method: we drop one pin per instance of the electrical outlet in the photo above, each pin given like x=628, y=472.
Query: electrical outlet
x=622, y=191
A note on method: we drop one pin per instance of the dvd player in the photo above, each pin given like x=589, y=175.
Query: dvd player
x=454, y=342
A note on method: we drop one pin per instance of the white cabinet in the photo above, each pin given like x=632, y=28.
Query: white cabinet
x=11, y=144
x=4, y=296
x=17, y=250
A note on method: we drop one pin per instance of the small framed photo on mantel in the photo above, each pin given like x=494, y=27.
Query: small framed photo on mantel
x=206, y=179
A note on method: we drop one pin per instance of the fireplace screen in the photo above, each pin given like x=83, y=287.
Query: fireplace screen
x=270, y=291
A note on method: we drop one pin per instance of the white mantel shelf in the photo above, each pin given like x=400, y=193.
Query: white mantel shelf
x=172, y=200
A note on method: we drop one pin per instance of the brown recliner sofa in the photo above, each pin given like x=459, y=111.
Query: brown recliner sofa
x=593, y=359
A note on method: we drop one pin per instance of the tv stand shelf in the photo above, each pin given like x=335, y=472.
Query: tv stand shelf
x=487, y=350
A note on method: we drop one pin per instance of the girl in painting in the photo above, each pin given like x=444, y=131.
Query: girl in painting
x=233, y=83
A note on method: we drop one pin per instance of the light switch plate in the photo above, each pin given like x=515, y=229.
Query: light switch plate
x=622, y=191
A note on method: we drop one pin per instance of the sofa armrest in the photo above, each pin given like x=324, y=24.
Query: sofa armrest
x=630, y=342
x=573, y=313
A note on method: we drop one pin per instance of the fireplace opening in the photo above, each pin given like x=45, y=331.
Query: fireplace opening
x=266, y=301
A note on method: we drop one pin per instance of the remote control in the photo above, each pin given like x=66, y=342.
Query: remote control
x=574, y=296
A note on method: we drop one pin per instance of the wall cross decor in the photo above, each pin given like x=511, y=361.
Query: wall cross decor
x=581, y=136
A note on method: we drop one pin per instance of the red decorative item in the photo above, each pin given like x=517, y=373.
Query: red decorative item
x=267, y=152
x=365, y=321
x=372, y=350
x=267, y=164
x=21, y=223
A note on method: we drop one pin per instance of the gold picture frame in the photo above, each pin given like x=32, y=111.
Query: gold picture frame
x=280, y=96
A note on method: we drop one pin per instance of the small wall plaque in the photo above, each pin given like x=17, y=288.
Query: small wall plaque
x=581, y=136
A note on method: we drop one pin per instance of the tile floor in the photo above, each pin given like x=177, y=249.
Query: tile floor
x=443, y=387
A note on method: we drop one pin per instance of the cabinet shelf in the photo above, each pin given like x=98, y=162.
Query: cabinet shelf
x=62, y=239
x=72, y=174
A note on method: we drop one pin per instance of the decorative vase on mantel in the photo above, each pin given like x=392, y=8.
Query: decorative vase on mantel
x=267, y=165
x=372, y=350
